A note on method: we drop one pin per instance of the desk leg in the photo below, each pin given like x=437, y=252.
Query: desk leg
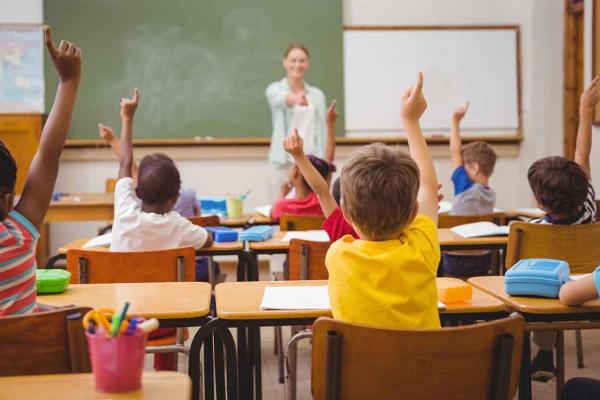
x=242, y=268
x=219, y=371
x=243, y=362
x=525, y=378
x=208, y=368
x=202, y=336
x=256, y=361
x=560, y=362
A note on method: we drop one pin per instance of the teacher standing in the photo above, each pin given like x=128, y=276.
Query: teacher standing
x=294, y=105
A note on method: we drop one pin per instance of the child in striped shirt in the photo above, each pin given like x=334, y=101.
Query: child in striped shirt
x=563, y=189
x=19, y=224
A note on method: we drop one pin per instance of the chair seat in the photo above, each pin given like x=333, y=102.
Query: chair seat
x=167, y=340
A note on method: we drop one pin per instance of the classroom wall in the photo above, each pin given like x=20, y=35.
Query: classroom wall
x=541, y=24
x=595, y=157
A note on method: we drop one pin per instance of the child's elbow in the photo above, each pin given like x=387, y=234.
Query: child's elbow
x=567, y=296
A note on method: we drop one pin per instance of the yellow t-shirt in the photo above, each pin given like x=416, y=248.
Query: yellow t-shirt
x=386, y=284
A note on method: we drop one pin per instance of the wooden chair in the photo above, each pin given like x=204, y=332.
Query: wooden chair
x=171, y=265
x=300, y=222
x=575, y=244
x=450, y=221
x=50, y=342
x=306, y=261
x=209, y=220
x=470, y=362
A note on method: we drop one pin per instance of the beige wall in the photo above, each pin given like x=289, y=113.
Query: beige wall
x=541, y=24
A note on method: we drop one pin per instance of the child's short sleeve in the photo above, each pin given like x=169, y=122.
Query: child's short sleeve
x=125, y=197
x=596, y=277
x=461, y=180
x=191, y=235
x=425, y=235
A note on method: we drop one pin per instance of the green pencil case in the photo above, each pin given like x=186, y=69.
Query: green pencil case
x=52, y=280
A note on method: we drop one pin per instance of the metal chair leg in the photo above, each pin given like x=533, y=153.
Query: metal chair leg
x=579, y=345
x=560, y=362
x=290, y=363
x=280, y=361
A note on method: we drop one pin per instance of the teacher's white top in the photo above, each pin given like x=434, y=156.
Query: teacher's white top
x=309, y=120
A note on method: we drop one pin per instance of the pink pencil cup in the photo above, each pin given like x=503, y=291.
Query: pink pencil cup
x=117, y=362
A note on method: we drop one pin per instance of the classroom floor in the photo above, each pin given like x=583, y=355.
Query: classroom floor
x=272, y=390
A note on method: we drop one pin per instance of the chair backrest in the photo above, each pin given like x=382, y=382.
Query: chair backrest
x=97, y=266
x=209, y=220
x=300, y=222
x=575, y=244
x=110, y=184
x=471, y=362
x=50, y=342
x=449, y=221
x=306, y=260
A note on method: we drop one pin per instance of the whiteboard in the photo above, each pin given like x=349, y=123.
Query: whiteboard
x=478, y=65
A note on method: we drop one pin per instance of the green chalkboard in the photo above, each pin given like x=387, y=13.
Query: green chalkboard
x=202, y=66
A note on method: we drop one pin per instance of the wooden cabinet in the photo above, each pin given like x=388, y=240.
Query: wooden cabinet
x=21, y=134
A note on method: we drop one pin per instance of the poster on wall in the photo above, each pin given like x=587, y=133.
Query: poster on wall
x=21, y=69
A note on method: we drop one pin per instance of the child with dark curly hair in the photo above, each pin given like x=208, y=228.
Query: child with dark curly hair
x=563, y=189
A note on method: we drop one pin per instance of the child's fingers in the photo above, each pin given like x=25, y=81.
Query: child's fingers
x=467, y=106
x=63, y=46
x=136, y=95
x=49, y=43
x=332, y=106
x=419, y=84
x=407, y=93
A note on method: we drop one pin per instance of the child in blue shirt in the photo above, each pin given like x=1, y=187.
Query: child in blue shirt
x=473, y=165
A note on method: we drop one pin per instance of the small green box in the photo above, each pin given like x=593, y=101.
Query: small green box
x=52, y=280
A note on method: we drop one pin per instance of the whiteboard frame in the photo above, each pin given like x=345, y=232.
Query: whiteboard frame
x=516, y=28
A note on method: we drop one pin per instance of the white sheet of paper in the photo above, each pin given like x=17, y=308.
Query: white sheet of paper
x=478, y=229
x=444, y=206
x=315, y=236
x=265, y=211
x=99, y=241
x=296, y=298
x=531, y=211
x=303, y=297
x=577, y=277
x=496, y=209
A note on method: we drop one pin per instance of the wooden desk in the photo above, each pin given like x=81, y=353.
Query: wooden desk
x=238, y=305
x=241, y=301
x=258, y=219
x=235, y=222
x=541, y=314
x=82, y=207
x=227, y=248
x=163, y=300
x=448, y=241
x=155, y=385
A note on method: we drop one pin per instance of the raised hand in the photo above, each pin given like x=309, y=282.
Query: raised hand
x=460, y=112
x=106, y=133
x=128, y=106
x=331, y=114
x=590, y=97
x=413, y=102
x=293, y=144
x=66, y=58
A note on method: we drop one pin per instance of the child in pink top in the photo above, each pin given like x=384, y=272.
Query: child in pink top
x=305, y=201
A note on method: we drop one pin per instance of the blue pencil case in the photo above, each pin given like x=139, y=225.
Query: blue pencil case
x=222, y=234
x=257, y=233
x=541, y=277
x=214, y=205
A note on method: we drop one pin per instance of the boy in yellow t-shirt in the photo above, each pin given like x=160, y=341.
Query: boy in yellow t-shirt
x=387, y=277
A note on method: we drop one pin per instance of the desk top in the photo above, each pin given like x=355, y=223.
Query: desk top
x=446, y=238
x=162, y=300
x=85, y=199
x=494, y=285
x=241, y=300
x=216, y=247
x=155, y=385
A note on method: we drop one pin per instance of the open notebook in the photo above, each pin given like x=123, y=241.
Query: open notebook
x=99, y=241
x=315, y=236
x=305, y=297
x=265, y=211
x=478, y=229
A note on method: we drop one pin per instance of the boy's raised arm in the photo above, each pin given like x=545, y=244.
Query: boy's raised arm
x=413, y=106
x=583, y=145
x=330, y=145
x=293, y=144
x=128, y=107
x=39, y=185
x=455, y=141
